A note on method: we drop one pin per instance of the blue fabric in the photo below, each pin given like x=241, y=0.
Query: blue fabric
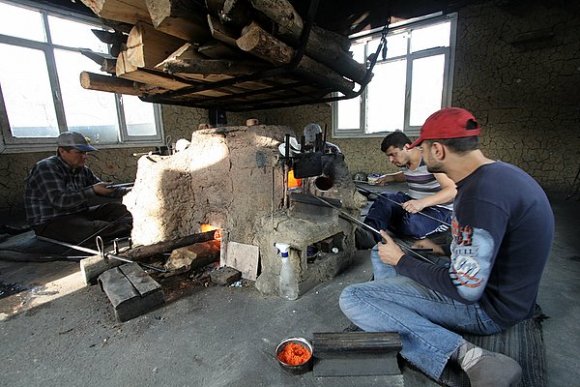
x=426, y=319
x=386, y=215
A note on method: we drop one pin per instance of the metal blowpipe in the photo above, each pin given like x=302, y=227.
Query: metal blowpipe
x=358, y=222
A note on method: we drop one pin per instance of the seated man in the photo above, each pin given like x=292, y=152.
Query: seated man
x=58, y=191
x=502, y=231
x=430, y=194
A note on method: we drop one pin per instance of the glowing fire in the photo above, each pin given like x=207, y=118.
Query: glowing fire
x=292, y=181
x=208, y=227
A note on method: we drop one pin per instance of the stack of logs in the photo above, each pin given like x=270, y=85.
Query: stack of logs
x=171, y=51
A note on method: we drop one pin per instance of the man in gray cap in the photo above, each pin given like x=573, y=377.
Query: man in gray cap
x=59, y=189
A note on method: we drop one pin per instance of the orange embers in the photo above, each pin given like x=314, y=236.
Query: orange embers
x=294, y=354
x=292, y=181
x=208, y=227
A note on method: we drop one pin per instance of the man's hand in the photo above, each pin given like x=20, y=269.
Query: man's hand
x=389, y=252
x=428, y=244
x=413, y=206
x=383, y=180
x=102, y=190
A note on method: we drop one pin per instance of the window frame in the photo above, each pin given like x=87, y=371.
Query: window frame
x=396, y=28
x=11, y=144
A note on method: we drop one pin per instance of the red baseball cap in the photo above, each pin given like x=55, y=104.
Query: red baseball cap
x=449, y=122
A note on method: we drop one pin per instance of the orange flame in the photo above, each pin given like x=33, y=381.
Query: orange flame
x=292, y=181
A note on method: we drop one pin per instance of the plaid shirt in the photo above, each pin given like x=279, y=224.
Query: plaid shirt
x=54, y=189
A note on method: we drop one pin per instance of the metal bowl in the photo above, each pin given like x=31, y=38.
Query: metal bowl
x=300, y=368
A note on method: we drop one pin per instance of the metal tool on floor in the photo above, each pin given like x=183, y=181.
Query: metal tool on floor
x=347, y=216
x=97, y=252
x=401, y=205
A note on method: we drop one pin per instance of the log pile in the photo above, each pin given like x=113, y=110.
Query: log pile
x=234, y=54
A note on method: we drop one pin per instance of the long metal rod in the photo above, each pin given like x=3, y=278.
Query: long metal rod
x=401, y=205
x=96, y=252
x=115, y=222
x=358, y=222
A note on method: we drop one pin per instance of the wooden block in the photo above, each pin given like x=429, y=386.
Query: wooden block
x=132, y=292
x=92, y=267
x=225, y=276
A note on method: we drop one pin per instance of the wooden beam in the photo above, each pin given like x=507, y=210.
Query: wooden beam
x=179, y=18
x=321, y=45
x=92, y=81
x=186, y=60
x=167, y=246
x=263, y=45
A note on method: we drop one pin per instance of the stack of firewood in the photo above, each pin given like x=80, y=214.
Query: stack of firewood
x=171, y=51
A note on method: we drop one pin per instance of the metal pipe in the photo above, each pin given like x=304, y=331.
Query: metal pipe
x=358, y=222
x=401, y=205
x=96, y=252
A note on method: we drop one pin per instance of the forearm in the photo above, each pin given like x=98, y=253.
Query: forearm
x=429, y=275
x=444, y=196
x=397, y=177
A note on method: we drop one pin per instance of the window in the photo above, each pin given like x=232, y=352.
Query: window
x=413, y=81
x=40, y=92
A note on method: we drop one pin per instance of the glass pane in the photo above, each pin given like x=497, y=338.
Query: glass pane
x=27, y=92
x=21, y=23
x=432, y=36
x=74, y=34
x=90, y=112
x=349, y=114
x=358, y=52
x=139, y=116
x=427, y=88
x=396, y=45
x=386, y=97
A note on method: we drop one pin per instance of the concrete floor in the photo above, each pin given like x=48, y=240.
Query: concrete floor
x=58, y=332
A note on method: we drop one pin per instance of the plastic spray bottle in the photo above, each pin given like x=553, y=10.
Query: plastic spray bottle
x=288, y=288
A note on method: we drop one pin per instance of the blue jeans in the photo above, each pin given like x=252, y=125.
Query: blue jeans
x=423, y=317
x=386, y=215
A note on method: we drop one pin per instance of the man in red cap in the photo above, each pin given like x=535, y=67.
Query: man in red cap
x=59, y=190
x=502, y=230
